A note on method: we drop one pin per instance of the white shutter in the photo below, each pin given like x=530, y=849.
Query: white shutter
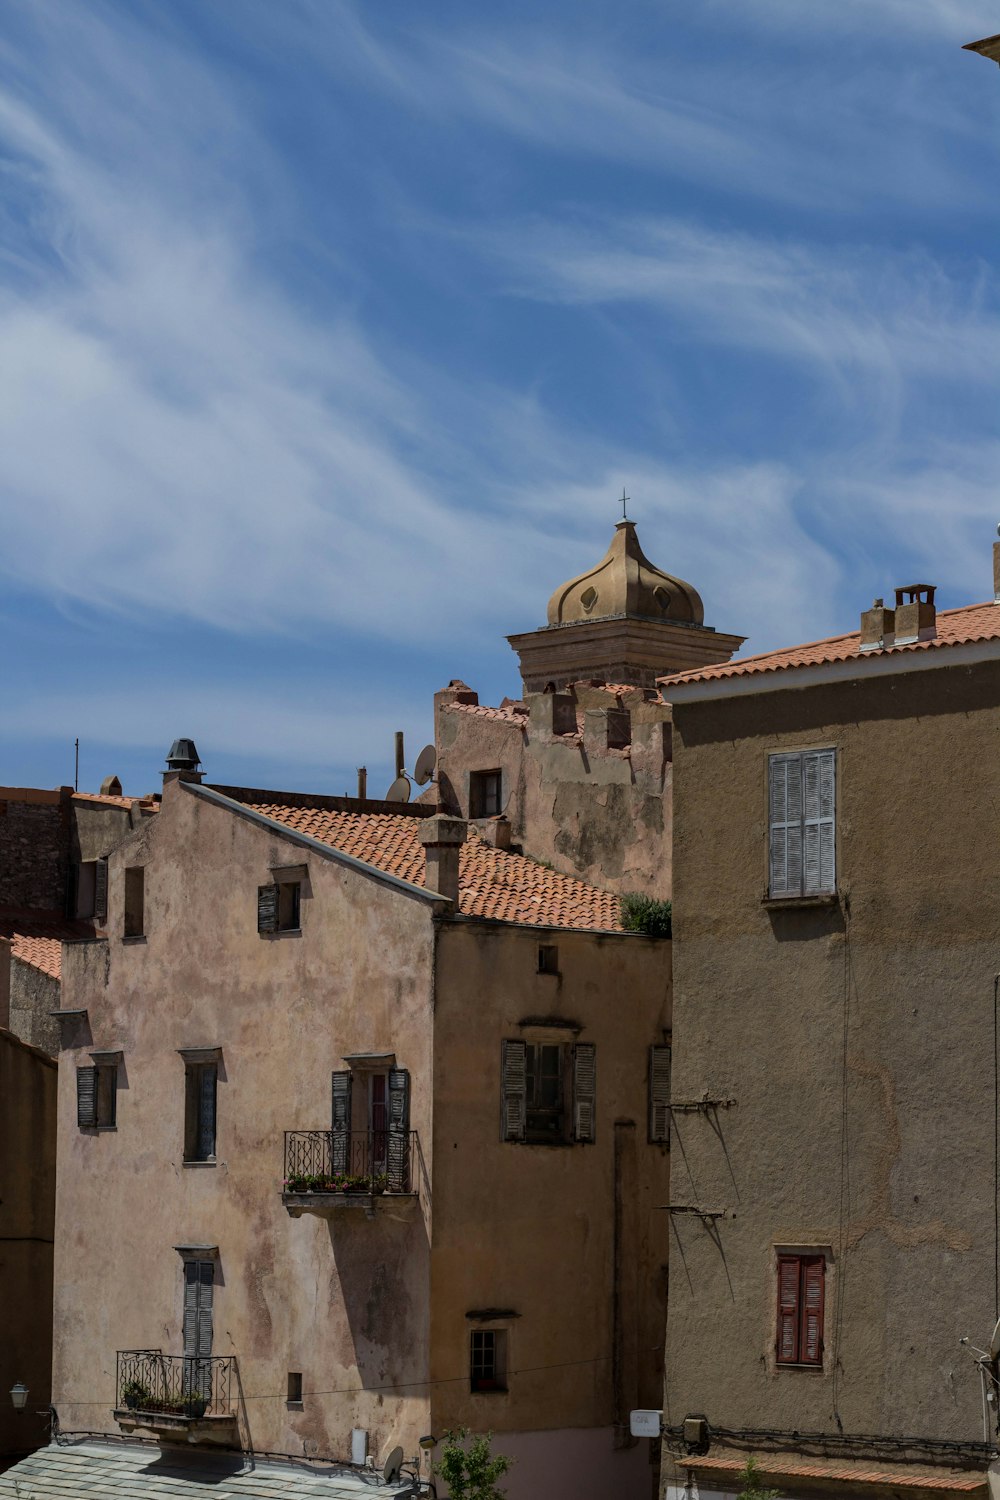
x=584, y=1092
x=86, y=1097
x=819, y=781
x=513, y=1091
x=785, y=833
x=659, y=1094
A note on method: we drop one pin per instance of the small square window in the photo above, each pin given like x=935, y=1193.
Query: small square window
x=548, y=958
x=488, y=1359
x=484, y=794
x=295, y=1387
x=135, y=899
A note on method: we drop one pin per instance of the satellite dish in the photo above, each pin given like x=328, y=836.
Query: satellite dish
x=392, y=1466
x=423, y=771
x=399, y=791
x=995, y=1345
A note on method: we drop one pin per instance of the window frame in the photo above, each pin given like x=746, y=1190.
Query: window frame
x=202, y=1066
x=537, y=1135
x=102, y=1090
x=797, y=849
x=803, y=1263
x=486, y=786
x=134, y=902
x=495, y=1339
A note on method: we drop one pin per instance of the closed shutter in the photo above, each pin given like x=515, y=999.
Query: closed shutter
x=584, y=1092
x=199, y=1278
x=785, y=801
x=398, y=1146
x=819, y=783
x=86, y=1096
x=811, y=1339
x=100, y=890
x=788, y=1309
x=513, y=1091
x=267, y=908
x=340, y=1136
x=659, y=1094
x=206, y=1111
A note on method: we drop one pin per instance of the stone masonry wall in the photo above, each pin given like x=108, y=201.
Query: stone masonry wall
x=34, y=848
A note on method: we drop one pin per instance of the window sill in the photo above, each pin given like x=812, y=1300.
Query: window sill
x=800, y=1368
x=103, y=1129
x=295, y=1405
x=134, y=937
x=783, y=903
x=209, y=1163
x=488, y=1390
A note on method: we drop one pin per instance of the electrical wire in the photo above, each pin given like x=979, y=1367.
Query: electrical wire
x=838, y=1440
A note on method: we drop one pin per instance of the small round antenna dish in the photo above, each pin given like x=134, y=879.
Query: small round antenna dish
x=399, y=791
x=392, y=1466
x=423, y=771
x=995, y=1345
x=998, y=530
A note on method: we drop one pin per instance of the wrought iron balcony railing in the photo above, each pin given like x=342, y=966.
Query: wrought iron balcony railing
x=175, y=1385
x=349, y=1161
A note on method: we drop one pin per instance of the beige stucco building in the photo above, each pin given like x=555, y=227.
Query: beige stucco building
x=355, y=1113
x=837, y=938
x=580, y=765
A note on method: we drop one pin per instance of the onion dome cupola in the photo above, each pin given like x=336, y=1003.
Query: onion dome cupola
x=625, y=582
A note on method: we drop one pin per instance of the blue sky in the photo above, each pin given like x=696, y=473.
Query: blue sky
x=330, y=333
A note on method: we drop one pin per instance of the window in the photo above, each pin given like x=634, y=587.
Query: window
x=97, y=1091
x=802, y=846
x=488, y=1359
x=535, y=1099
x=85, y=889
x=201, y=1077
x=294, y=1397
x=484, y=794
x=199, y=1281
x=659, y=1095
x=135, y=892
x=548, y=959
x=279, y=906
x=801, y=1288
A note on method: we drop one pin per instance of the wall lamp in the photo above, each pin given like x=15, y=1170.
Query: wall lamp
x=19, y=1395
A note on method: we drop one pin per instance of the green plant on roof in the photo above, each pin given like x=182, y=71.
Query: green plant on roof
x=750, y=1479
x=645, y=914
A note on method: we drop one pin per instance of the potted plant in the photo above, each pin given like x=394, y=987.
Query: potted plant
x=136, y=1396
x=196, y=1404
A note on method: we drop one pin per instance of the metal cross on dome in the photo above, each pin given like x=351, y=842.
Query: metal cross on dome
x=626, y=498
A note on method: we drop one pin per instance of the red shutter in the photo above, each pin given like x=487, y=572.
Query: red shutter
x=788, y=1309
x=811, y=1343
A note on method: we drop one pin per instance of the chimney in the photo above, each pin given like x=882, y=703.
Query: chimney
x=442, y=838
x=183, y=763
x=878, y=627
x=996, y=570
x=915, y=614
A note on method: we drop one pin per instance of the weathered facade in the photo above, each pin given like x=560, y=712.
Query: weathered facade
x=580, y=766
x=836, y=920
x=495, y=1254
x=27, y=1202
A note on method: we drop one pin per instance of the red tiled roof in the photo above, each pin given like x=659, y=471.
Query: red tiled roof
x=955, y=627
x=37, y=937
x=511, y=713
x=146, y=803
x=855, y=1471
x=493, y=883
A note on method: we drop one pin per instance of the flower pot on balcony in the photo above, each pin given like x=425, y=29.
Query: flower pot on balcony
x=195, y=1406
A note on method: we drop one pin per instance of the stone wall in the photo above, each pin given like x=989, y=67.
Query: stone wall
x=34, y=848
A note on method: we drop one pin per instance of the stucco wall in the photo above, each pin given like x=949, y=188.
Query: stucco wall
x=531, y=1228
x=602, y=814
x=344, y=1301
x=27, y=1205
x=857, y=1042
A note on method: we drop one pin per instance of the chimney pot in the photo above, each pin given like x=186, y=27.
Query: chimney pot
x=183, y=762
x=915, y=613
x=442, y=838
x=878, y=626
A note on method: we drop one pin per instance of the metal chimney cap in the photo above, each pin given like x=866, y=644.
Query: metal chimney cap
x=183, y=756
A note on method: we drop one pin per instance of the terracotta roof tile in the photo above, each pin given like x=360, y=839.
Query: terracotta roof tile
x=955, y=627
x=147, y=803
x=511, y=713
x=37, y=937
x=856, y=1471
x=493, y=883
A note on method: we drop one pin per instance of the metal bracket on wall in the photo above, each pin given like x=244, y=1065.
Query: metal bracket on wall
x=690, y=1208
x=687, y=1106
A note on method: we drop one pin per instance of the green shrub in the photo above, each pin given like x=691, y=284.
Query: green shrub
x=469, y=1469
x=752, y=1489
x=645, y=914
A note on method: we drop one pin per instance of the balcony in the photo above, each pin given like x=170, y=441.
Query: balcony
x=178, y=1399
x=330, y=1170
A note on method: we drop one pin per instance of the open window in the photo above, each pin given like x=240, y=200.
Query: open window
x=201, y=1079
x=135, y=902
x=484, y=794
x=97, y=1092
x=279, y=904
x=548, y=1091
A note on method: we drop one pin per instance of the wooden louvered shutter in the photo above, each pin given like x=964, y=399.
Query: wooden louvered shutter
x=513, y=1090
x=199, y=1278
x=100, y=890
x=659, y=1094
x=584, y=1092
x=86, y=1096
x=785, y=819
x=340, y=1134
x=788, y=1309
x=267, y=908
x=398, y=1144
x=819, y=824
x=811, y=1336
